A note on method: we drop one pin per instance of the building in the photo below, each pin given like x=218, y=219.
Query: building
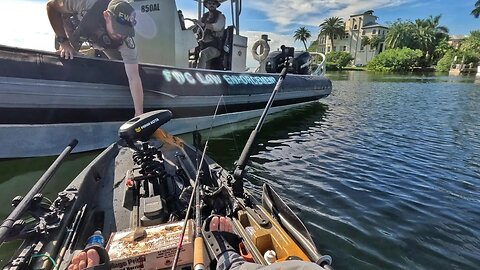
x=356, y=28
x=455, y=40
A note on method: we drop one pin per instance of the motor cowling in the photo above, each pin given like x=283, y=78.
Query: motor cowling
x=275, y=60
x=142, y=127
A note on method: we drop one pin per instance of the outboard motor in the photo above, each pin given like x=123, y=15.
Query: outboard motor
x=148, y=183
x=299, y=63
x=142, y=127
x=275, y=60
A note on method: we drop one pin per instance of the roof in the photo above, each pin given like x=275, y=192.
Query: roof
x=373, y=25
x=457, y=37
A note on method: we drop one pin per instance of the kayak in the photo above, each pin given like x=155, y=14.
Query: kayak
x=145, y=202
x=144, y=181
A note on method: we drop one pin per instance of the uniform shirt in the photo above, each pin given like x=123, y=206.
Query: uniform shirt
x=217, y=28
x=80, y=7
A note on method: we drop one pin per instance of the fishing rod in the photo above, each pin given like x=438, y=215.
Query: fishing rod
x=198, y=262
x=238, y=174
x=198, y=244
x=25, y=202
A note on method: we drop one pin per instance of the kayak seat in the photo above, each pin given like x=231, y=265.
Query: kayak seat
x=142, y=127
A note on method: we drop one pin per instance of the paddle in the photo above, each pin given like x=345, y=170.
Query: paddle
x=25, y=202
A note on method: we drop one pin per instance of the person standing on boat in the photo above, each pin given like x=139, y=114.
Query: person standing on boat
x=107, y=25
x=213, y=22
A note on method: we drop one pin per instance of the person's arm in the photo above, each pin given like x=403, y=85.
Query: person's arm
x=54, y=11
x=136, y=88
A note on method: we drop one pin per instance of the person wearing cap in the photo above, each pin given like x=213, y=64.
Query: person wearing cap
x=213, y=22
x=108, y=25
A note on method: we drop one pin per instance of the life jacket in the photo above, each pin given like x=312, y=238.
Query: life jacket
x=214, y=38
x=92, y=28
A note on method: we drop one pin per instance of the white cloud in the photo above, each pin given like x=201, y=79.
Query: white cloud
x=287, y=12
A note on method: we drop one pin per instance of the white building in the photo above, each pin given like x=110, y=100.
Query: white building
x=356, y=27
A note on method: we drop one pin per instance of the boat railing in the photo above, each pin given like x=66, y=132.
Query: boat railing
x=319, y=69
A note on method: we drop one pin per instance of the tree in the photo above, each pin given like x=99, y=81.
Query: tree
x=302, y=34
x=476, y=10
x=375, y=41
x=339, y=59
x=471, y=43
x=331, y=27
x=400, y=35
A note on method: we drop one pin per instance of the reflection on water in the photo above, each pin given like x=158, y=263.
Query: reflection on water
x=385, y=172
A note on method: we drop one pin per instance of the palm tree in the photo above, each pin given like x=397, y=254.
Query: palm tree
x=476, y=11
x=331, y=27
x=302, y=34
x=400, y=35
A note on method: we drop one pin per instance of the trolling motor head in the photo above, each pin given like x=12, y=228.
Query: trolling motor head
x=142, y=127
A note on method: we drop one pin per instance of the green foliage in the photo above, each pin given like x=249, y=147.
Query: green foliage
x=457, y=57
x=302, y=34
x=395, y=60
x=375, y=41
x=445, y=62
x=332, y=26
x=471, y=43
x=423, y=34
x=313, y=46
x=339, y=59
x=365, y=41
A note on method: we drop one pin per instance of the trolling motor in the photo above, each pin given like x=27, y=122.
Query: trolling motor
x=146, y=184
x=239, y=172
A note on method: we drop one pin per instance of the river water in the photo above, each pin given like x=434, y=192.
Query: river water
x=385, y=172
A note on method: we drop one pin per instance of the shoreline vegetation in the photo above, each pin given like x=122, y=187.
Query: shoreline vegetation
x=422, y=45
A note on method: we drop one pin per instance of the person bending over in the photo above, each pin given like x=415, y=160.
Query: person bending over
x=107, y=25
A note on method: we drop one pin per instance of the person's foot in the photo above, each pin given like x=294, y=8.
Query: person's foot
x=221, y=224
x=84, y=259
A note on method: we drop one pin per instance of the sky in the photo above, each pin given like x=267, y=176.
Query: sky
x=24, y=23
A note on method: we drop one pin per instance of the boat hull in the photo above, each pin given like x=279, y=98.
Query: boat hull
x=46, y=101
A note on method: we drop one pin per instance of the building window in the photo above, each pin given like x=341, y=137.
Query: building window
x=374, y=31
x=355, y=26
x=334, y=36
x=344, y=48
x=328, y=49
x=363, y=32
x=346, y=36
x=361, y=47
x=334, y=48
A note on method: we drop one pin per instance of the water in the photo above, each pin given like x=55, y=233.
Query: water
x=385, y=172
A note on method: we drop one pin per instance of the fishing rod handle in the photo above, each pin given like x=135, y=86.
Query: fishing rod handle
x=198, y=263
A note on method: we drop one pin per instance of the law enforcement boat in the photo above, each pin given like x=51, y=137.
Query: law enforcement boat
x=45, y=99
x=150, y=196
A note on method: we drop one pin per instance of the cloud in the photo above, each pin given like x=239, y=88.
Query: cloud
x=285, y=13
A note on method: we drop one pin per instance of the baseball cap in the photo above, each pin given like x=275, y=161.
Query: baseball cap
x=123, y=17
